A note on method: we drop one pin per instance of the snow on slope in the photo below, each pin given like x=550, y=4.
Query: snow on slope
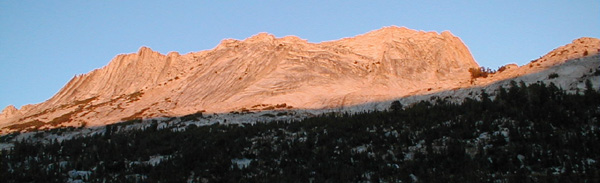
x=572, y=75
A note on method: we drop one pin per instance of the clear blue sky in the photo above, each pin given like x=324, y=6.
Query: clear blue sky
x=43, y=44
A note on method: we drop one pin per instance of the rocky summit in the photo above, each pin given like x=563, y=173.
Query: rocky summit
x=264, y=72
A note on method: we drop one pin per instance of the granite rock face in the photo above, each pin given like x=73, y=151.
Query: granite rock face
x=264, y=71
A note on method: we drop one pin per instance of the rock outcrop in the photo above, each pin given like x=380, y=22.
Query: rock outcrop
x=10, y=110
x=579, y=48
x=260, y=72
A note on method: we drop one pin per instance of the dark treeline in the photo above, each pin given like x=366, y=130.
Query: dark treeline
x=535, y=133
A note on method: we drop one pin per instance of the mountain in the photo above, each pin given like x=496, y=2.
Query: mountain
x=264, y=73
x=582, y=48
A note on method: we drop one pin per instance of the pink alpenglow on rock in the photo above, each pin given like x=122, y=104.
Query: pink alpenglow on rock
x=264, y=70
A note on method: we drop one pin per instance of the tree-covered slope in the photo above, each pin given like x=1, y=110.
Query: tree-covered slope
x=535, y=133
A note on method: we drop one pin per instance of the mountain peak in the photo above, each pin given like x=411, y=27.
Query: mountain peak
x=581, y=47
x=260, y=37
x=389, y=31
x=10, y=109
x=393, y=28
x=379, y=65
x=292, y=39
x=447, y=33
x=8, y=112
x=262, y=71
x=225, y=43
x=592, y=45
x=144, y=49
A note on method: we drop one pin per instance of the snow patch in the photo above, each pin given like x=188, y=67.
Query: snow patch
x=241, y=163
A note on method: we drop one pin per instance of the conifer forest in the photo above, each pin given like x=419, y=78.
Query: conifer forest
x=521, y=133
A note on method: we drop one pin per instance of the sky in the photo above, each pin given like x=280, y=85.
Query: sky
x=43, y=44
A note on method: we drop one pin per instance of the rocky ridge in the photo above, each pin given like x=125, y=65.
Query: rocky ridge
x=579, y=48
x=265, y=73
